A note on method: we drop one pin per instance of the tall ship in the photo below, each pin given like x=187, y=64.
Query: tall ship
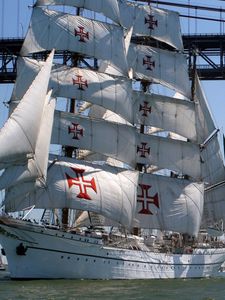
x=116, y=145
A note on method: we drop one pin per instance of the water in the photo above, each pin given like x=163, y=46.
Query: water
x=191, y=289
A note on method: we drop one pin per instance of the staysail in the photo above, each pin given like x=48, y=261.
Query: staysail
x=17, y=148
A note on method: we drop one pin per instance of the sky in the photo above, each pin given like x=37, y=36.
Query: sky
x=15, y=16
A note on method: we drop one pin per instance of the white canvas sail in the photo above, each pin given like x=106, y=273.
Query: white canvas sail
x=51, y=29
x=205, y=125
x=179, y=156
x=162, y=203
x=102, y=189
x=124, y=143
x=113, y=93
x=212, y=162
x=207, y=135
x=167, y=113
x=150, y=21
x=214, y=206
x=160, y=66
x=109, y=8
x=18, y=137
x=169, y=204
x=111, y=139
x=36, y=166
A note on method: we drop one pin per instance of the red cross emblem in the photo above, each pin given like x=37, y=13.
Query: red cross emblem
x=145, y=199
x=145, y=108
x=76, y=129
x=82, y=183
x=81, y=83
x=151, y=22
x=83, y=35
x=147, y=61
x=143, y=150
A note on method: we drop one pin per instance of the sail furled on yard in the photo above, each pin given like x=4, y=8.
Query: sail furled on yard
x=160, y=66
x=73, y=184
x=150, y=21
x=124, y=143
x=108, y=8
x=19, y=136
x=169, y=204
x=51, y=29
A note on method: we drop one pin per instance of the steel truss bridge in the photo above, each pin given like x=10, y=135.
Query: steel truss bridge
x=209, y=50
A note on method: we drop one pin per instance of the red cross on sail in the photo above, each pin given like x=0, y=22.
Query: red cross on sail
x=143, y=149
x=148, y=61
x=83, y=35
x=82, y=183
x=151, y=22
x=145, y=108
x=145, y=199
x=77, y=131
x=80, y=82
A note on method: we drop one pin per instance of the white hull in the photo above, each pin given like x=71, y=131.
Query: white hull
x=53, y=254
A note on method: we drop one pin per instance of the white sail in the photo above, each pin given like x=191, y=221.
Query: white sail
x=113, y=93
x=102, y=189
x=160, y=66
x=109, y=8
x=51, y=29
x=18, y=137
x=36, y=166
x=211, y=156
x=179, y=156
x=111, y=139
x=212, y=162
x=16, y=194
x=150, y=21
x=205, y=125
x=214, y=205
x=169, y=204
x=124, y=143
x=167, y=113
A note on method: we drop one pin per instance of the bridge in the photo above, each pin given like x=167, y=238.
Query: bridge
x=209, y=49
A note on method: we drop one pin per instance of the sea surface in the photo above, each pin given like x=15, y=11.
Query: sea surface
x=169, y=289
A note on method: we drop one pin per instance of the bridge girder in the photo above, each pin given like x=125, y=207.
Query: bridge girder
x=209, y=49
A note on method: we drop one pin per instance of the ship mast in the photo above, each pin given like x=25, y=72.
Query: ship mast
x=69, y=151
